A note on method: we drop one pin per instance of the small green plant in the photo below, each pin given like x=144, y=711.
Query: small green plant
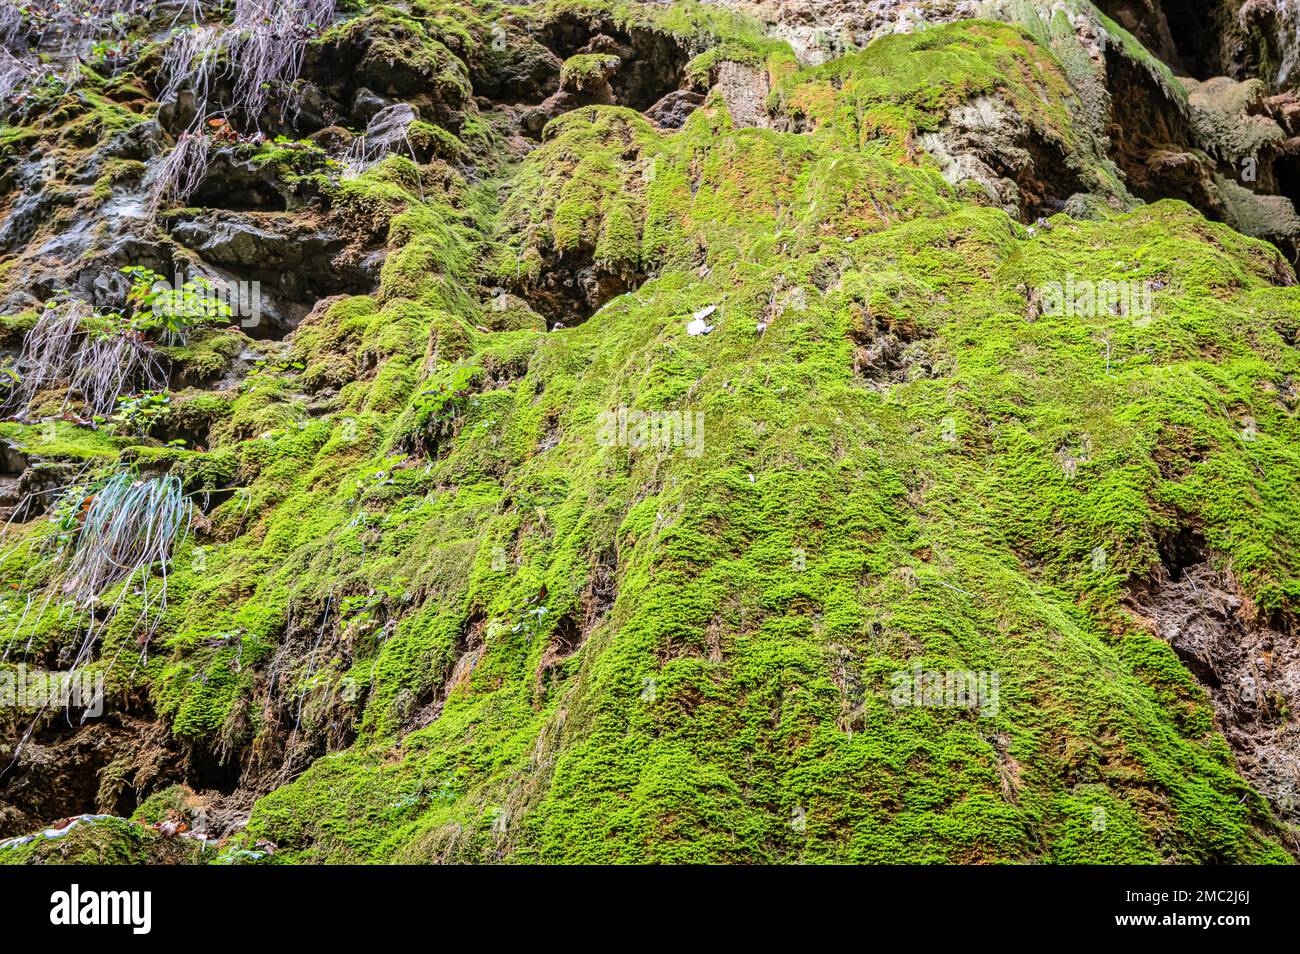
x=108, y=54
x=438, y=409
x=137, y=415
x=175, y=312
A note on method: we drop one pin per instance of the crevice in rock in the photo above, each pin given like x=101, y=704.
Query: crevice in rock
x=572, y=289
x=572, y=630
x=1249, y=665
x=13, y=464
x=599, y=62
x=1196, y=31
x=653, y=64
x=284, y=263
x=888, y=351
x=1205, y=38
x=237, y=187
x=1286, y=174
x=565, y=640
x=210, y=771
x=1046, y=182
x=1151, y=140
x=29, y=485
x=1179, y=550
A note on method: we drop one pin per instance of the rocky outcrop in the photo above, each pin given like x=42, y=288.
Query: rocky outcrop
x=800, y=432
x=1250, y=668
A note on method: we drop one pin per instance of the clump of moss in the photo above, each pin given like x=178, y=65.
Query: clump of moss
x=583, y=72
x=116, y=172
x=400, y=55
x=581, y=194
x=104, y=841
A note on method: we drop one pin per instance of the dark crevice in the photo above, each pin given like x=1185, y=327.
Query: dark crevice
x=1186, y=34
x=1145, y=128
x=570, y=292
x=1286, y=176
x=208, y=771
x=253, y=195
x=653, y=63
x=888, y=351
x=1047, y=182
x=1179, y=550
x=1196, y=32
x=565, y=640
x=469, y=649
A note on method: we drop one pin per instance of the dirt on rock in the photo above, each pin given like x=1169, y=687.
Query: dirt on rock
x=1249, y=666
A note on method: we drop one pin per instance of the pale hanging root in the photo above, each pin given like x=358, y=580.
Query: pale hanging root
x=36, y=549
x=11, y=25
x=19, y=72
x=181, y=172
x=265, y=45
x=187, y=11
x=385, y=134
x=192, y=55
x=131, y=528
x=70, y=24
x=272, y=37
x=98, y=368
x=48, y=354
x=107, y=368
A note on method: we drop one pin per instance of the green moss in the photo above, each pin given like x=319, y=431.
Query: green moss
x=404, y=55
x=103, y=841
x=207, y=354
x=60, y=440
x=586, y=71
x=115, y=172
x=910, y=81
x=172, y=802
x=432, y=140
x=740, y=735
x=581, y=193
x=519, y=637
x=14, y=327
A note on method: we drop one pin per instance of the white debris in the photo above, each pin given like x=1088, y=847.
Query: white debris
x=51, y=833
x=698, y=325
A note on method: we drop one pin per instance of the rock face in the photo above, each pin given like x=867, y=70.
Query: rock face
x=740, y=432
x=1252, y=671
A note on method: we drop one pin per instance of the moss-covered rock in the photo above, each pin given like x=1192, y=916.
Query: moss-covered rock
x=631, y=511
